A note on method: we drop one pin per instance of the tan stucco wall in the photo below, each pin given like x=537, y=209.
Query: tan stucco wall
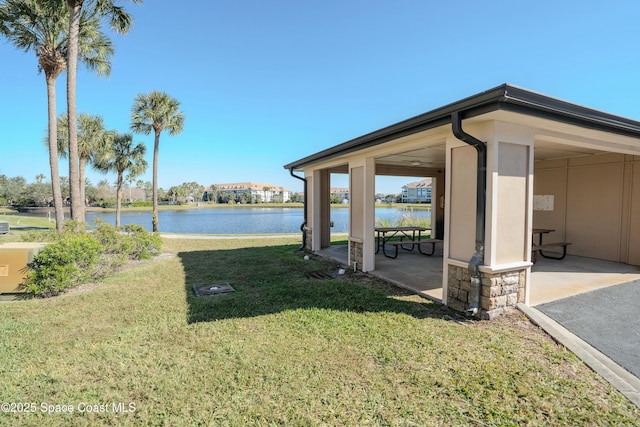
x=595, y=198
x=512, y=203
x=462, y=203
x=356, y=212
x=362, y=212
x=634, y=214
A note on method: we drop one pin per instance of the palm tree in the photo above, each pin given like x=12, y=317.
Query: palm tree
x=123, y=157
x=140, y=187
x=91, y=141
x=156, y=111
x=147, y=189
x=40, y=26
x=120, y=22
x=214, y=191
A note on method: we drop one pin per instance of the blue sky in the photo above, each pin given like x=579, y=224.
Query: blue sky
x=265, y=83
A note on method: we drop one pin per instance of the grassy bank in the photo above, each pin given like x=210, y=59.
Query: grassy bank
x=27, y=221
x=291, y=346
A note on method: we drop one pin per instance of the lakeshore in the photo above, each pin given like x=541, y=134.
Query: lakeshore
x=226, y=219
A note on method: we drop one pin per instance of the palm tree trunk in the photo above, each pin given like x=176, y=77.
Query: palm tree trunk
x=53, y=153
x=82, y=180
x=77, y=204
x=154, y=215
x=118, y=198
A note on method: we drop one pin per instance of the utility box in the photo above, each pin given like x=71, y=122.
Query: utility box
x=4, y=227
x=14, y=257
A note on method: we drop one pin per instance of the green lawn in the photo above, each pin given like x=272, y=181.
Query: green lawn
x=285, y=348
x=28, y=221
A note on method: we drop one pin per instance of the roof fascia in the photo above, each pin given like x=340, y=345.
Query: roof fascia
x=504, y=97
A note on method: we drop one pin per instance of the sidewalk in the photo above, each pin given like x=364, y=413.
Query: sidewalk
x=623, y=380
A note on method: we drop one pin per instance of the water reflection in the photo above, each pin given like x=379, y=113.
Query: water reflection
x=241, y=220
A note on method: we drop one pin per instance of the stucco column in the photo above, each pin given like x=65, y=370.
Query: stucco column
x=438, y=201
x=362, y=213
x=509, y=217
x=506, y=265
x=314, y=206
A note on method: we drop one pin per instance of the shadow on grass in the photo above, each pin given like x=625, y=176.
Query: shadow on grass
x=274, y=279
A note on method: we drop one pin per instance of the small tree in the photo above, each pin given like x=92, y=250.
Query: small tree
x=123, y=157
x=156, y=111
x=91, y=140
x=214, y=193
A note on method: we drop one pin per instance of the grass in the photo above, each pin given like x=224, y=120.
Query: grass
x=27, y=221
x=284, y=349
x=406, y=220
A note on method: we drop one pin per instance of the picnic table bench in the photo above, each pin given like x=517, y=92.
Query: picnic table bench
x=538, y=248
x=385, y=234
x=401, y=243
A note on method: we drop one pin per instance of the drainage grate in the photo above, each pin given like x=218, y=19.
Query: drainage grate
x=317, y=275
x=213, y=289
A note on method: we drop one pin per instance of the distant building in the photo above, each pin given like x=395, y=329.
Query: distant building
x=417, y=192
x=341, y=193
x=251, y=192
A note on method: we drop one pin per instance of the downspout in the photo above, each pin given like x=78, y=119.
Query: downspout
x=304, y=207
x=481, y=202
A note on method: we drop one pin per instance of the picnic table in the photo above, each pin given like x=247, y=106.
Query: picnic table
x=538, y=247
x=407, y=238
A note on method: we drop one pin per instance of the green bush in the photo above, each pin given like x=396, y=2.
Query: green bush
x=116, y=246
x=108, y=203
x=140, y=204
x=78, y=255
x=69, y=261
x=143, y=244
x=39, y=235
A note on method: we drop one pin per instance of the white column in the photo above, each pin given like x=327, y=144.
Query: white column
x=315, y=209
x=362, y=210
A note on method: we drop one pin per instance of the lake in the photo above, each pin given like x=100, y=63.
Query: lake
x=242, y=220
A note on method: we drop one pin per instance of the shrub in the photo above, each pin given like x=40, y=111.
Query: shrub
x=143, y=244
x=108, y=203
x=116, y=246
x=382, y=222
x=74, y=227
x=140, y=204
x=77, y=255
x=39, y=235
x=408, y=220
x=62, y=264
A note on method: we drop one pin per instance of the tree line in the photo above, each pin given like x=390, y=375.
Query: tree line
x=61, y=34
x=17, y=192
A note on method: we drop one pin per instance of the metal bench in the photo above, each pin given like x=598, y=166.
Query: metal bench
x=411, y=243
x=535, y=249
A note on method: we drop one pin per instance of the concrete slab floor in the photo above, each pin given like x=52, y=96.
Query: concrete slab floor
x=410, y=270
x=551, y=279
x=555, y=279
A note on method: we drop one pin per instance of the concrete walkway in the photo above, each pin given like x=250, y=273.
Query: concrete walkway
x=621, y=379
x=605, y=319
x=230, y=236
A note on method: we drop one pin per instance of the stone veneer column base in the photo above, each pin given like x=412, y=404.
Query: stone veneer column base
x=500, y=290
x=307, y=242
x=355, y=253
